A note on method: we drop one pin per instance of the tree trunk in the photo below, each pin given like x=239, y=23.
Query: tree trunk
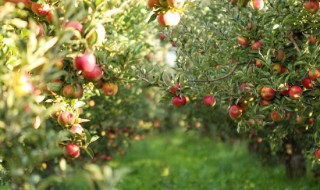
x=295, y=162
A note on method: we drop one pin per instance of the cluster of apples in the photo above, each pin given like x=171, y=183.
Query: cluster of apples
x=177, y=101
x=168, y=11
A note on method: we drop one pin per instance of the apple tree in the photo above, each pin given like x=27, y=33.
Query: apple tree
x=259, y=59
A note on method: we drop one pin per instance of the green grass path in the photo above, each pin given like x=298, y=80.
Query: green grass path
x=187, y=162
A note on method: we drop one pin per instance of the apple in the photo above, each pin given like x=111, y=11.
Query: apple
x=243, y=41
x=77, y=129
x=257, y=4
x=40, y=9
x=284, y=89
x=152, y=3
x=256, y=46
x=209, y=100
x=235, y=111
x=70, y=91
x=234, y=2
x=93, y=75
x=267, y=93
x=175, y=89
x=91, y=103
x=169, y=18
x=176, y=3
x=85, y=62
x=295, y=92
x=49, y=17
x=179, y=101
x=311, y=6
x=300, y=120
x=275, y=116
x=110, y=89
x=258, y=63
x=307, y=83
x=280, y=55
x=97, y=36
x=283, y=69
x=312, y=39
x=72, y=151
x=162, y=36
x=277, y=67
x=317, y=153
x=74, y=24
x=264, y=102
x=311, y=121
x=66, y=118
x=313, y=74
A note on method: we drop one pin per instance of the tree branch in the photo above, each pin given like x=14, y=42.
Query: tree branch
x=225, y=76
x=294, y=44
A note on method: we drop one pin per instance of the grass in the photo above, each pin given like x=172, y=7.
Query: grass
x=187, y=162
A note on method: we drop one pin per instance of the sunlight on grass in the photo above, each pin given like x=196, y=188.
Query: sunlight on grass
x=188, y=162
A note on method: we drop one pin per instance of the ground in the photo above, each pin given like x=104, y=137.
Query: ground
x=187, y=162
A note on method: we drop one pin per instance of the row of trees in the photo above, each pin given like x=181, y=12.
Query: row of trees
x=260, y=62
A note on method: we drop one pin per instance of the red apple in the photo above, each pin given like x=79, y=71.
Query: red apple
x=175, y=89
x=72, y=151
x=284, y=89
x=312, y=39
x=256, y=46
x=257, y=4
x=283, y=69
x=313, y=74
x=85, y=62
x=295, y=92
x=258, y=63
x=243, y=41
x=66, y=118
x=307, y=83
x=235, y=111
x=311, y=121
x=152, y=3
x=176, y=3
x=162, y=36
x=234, y=2
x=77, y=129
x=93, y=75
x=74, y=24
x=264, y=102
x=70, y=91
x=317, y=153
x=40, y=9
x=49, y=17
x=275, y=116
x=169, y=18
x=179, y=101
x=209, y=100
x=311, y=6
x=110, y=89
x=267, y=93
